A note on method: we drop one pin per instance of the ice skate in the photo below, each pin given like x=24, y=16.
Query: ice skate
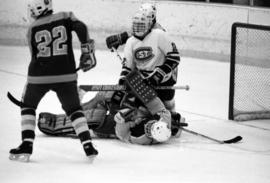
x=90, y=151
x=22, y=153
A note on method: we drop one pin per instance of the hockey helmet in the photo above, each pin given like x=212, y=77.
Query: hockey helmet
x=37, y=8
x=150, y=10
x=158, y=130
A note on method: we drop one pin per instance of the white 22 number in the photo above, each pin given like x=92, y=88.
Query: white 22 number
x=44, y=39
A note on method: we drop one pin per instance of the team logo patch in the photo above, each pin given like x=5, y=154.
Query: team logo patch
x=143, y=53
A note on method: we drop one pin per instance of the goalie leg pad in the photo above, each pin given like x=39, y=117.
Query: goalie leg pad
x=60, y=125
x=95, y=117
x=139, y=87
x=56, y=125
x=106, y=129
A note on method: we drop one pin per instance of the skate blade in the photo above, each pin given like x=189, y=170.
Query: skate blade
x=91, y=158
x=20, y=157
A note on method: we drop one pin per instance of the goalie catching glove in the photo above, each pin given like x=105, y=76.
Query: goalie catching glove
x=88, y=58
x=114, y=41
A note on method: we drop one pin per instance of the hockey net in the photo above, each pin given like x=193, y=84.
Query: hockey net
x=249, y=72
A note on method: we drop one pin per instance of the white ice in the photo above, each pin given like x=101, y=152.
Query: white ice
x=188, y=159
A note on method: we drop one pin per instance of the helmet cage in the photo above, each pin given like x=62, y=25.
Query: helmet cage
x=140, y=25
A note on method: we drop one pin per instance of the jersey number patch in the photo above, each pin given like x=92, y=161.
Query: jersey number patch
x=54, y=39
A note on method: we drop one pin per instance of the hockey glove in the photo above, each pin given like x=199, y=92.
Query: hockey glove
x=88, y=58
x=158, y=75
x=123, y=115
x=125, y=71
x=114, y=41
x=118, y=118
x=121, y=81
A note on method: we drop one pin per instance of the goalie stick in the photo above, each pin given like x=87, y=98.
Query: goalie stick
x=123, y=87
x=229, y=141
x=185, y=87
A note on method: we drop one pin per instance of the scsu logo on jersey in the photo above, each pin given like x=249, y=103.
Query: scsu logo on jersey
x=143, y=53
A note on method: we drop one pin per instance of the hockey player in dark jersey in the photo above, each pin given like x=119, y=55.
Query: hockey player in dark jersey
x=121, y=115
x=53, y=68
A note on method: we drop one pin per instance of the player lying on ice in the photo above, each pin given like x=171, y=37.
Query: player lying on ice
x=135, y=116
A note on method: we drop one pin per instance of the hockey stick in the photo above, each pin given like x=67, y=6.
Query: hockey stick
x=19, y=103
x=229, y=141
x=185, y=87
x=123, y=87
x=117, y=54
x=15, y=101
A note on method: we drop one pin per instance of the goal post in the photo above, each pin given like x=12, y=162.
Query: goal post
x=249, y=94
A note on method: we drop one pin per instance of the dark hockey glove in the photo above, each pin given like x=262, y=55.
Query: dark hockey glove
x=125, y=71
x=178, y=122
x=114, y=41
x=88, y=58
x=123, y=115
x=158, y=75
x=121, y=81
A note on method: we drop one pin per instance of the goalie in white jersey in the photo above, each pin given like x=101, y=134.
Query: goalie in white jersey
x=152, y=52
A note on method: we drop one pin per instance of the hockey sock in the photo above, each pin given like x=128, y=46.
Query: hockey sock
x=81, y=128
x=28, y=124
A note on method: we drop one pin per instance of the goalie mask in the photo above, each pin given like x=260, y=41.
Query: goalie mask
x=150, y=10
x=37, y=8
x=158, y=130
x=141, y=24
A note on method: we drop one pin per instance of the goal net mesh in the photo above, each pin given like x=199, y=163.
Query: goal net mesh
x=250, y=73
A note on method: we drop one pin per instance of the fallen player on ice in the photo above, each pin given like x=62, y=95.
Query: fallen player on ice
x=109, y=115
x=122, y=115
x=135, y=116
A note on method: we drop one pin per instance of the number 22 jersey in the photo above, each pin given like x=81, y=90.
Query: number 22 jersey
x=50, y=42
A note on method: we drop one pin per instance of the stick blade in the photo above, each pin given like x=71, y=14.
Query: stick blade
x=233, y=140
x=14, y=100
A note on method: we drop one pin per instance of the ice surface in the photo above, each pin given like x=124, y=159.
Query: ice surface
x=188, y=159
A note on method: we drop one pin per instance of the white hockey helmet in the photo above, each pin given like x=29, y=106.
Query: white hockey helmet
x=150, y=10
x=141, y=24
x=158, y=130
x=39, y=7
